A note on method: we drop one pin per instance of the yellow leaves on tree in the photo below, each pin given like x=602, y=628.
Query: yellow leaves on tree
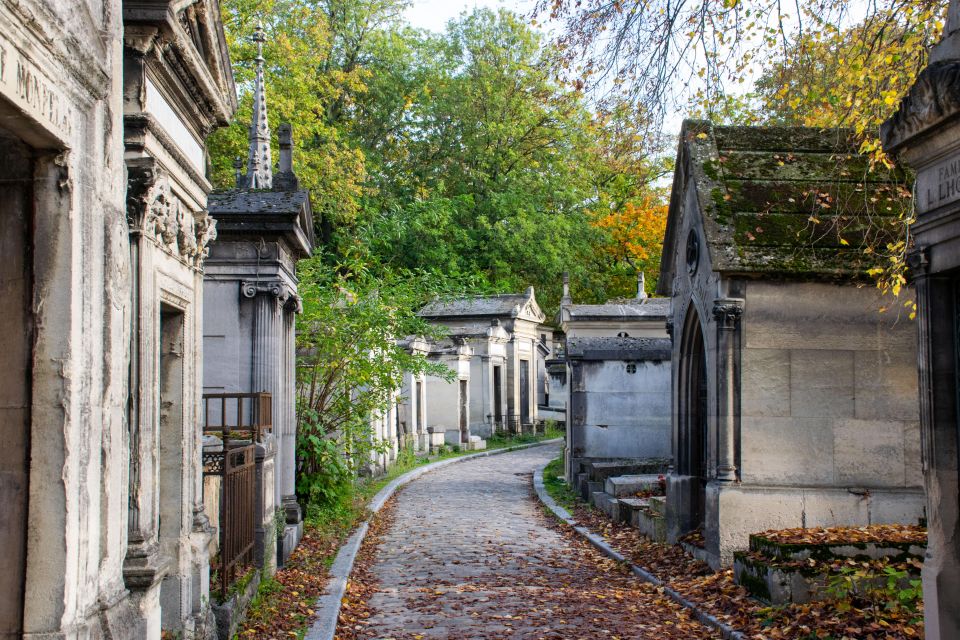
x=635, y=234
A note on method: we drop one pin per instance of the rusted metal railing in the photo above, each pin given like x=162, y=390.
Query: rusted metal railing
x=240, y=420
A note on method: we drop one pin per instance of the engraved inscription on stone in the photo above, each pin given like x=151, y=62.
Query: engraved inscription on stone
x=938, y=185
x=36, y=93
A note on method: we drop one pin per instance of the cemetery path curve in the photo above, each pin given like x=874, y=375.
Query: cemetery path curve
x=467, y=552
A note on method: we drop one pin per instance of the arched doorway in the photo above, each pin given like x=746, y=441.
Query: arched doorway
x=692, y=458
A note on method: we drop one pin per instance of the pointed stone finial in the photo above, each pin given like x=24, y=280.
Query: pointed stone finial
x=566, y=299
x=259, y=165
x=286, y=179
x=641, y=286
x=238, y=171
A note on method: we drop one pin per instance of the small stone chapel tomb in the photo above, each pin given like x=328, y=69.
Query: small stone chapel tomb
x=618, y=367
x=795, y=399
x=264, y=227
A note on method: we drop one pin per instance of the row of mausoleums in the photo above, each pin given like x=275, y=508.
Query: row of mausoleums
x=495, y=348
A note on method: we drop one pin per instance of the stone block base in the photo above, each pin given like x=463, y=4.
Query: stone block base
x=233, y=611
x=292, y=533
x=734, y=511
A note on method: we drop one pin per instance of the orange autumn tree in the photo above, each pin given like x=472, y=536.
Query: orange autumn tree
x=633, y=241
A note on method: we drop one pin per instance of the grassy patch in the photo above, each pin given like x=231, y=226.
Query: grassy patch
x=503, y=440
x=557, y=487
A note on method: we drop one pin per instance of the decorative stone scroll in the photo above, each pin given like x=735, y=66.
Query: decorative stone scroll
x=276, y=288
x=934, y=96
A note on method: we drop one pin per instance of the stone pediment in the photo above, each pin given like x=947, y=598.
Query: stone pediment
x=185, y=39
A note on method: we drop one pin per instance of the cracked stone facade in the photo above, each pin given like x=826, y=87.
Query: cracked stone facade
x=104, y=109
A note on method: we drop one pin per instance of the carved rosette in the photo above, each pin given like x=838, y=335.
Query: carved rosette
x=155, y=212
x=727, y=312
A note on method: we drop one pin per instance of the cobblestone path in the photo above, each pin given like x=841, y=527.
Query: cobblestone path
x=470, y=554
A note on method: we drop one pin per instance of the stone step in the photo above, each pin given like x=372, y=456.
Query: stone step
x=606, y=503
x=626, y=486
x=782, y=582
x=650, y=524
x=629, y=507
x=697, y=552
x=477, y=444
x=761, y=545
x=600, y=471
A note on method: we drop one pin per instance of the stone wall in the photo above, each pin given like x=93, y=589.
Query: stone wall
x=60, y=98
x=626, y=415
x=829, y=389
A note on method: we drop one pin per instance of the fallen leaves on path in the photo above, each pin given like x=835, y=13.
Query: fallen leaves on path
x=285, y=603
x=355, y=605
x=718, y=593
x=568, y=591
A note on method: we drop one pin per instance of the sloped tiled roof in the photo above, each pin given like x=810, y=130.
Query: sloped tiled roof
x=787, y=201
x=646, y=308
x=509, y=305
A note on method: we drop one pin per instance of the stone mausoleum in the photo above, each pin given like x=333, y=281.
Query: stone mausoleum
x=795, y=399
x=618, y=368
x=104, y=111
x=264, y=226
x=503, y=333
x=925, y=134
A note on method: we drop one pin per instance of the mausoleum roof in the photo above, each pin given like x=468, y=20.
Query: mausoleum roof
x=509, y=305
x=614, y=310
x=782, y=201
x=614, y=348
x=265, y=212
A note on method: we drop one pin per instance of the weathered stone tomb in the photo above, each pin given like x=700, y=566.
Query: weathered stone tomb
x=503, y=333
x=264, y=226
x=795, y=398
x=618, y=366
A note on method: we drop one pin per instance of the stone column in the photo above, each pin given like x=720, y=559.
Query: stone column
x=266, y=344
x=727, y=312
x=288, y=488
x=940, y=445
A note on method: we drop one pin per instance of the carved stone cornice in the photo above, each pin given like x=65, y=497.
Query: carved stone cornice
x=156, y=213
x=933, y=98
x=727, y=312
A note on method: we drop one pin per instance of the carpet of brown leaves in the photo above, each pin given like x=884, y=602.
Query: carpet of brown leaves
x=878, y=533
x=285, y=605
x=569, y=592
x=719, y=595
x=363, y=583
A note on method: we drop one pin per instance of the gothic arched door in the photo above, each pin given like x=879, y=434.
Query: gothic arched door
x=694, y=443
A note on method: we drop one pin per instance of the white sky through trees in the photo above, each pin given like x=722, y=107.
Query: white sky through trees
x=434, y=14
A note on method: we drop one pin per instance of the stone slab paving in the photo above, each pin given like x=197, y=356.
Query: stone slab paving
x=471, y=555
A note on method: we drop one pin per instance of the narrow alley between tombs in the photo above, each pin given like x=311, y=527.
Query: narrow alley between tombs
x=467, y=552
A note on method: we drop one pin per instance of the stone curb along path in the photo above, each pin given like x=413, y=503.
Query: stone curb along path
x=327, y=606
x=728, y=632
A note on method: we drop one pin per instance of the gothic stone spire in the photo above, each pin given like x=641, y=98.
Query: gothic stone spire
x=259, y=172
